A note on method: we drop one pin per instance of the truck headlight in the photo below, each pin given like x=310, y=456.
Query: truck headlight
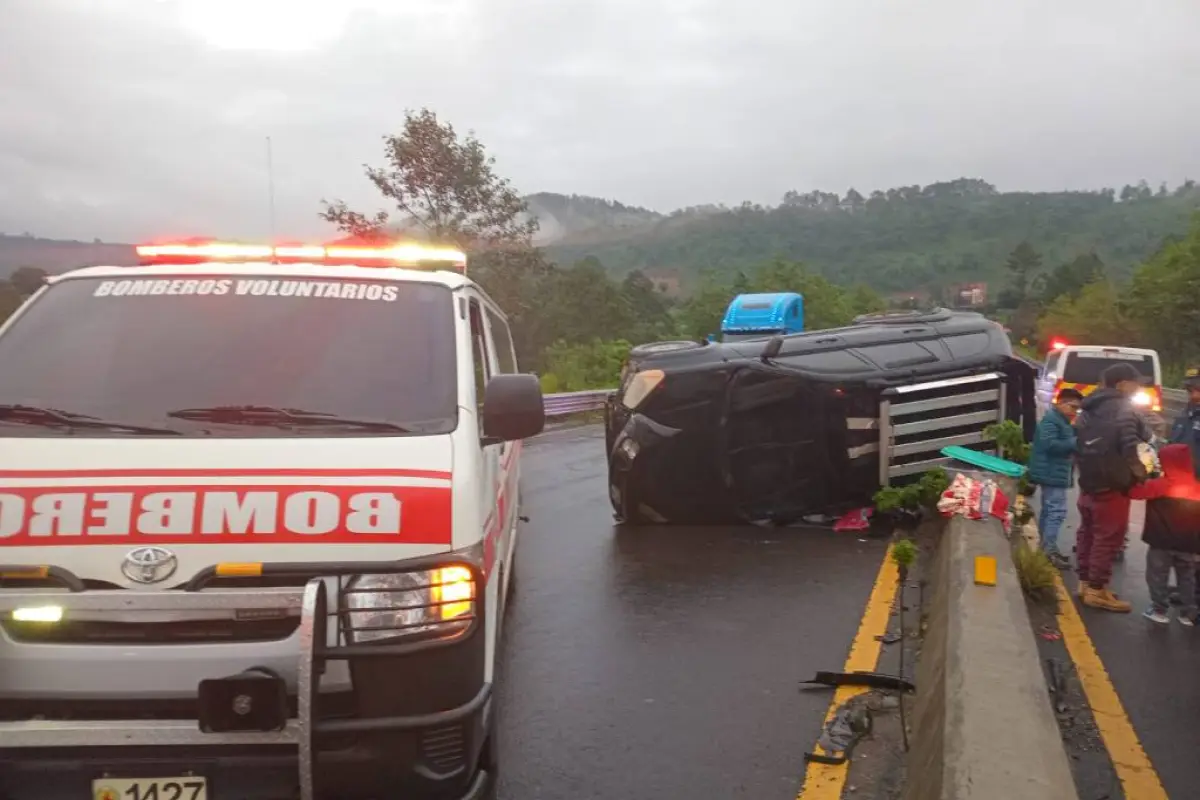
x=438, y=601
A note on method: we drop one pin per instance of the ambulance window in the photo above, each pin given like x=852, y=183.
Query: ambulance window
x=177, y=354
x=506, y=360
x=483, y=367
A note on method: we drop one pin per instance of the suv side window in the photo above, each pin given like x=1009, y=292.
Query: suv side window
x=506, y=359
x=483, y=364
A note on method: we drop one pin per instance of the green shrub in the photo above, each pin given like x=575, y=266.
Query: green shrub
x=923, y=493
x=1036, y=573
x=904, y=553
x=577, y=367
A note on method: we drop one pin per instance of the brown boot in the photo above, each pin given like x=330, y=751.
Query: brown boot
x=1105, y=600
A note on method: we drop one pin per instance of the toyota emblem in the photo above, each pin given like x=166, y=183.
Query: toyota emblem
x=149, y=565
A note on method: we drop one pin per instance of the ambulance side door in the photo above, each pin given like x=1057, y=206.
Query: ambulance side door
x=510, y=452
x=489, y=457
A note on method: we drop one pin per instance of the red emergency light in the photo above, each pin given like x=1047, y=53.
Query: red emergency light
x=1057, y=344
x=408, y=255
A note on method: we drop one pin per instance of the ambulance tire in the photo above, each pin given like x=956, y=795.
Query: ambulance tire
x=489, y=754
x=489, y=757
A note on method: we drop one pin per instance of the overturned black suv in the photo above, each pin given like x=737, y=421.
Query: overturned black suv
x=776, y=429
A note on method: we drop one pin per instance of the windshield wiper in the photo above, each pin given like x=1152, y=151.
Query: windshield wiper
x=284, y=417
x=53, y=417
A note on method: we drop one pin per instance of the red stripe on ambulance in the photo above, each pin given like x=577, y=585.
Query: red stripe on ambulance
x=39, y=516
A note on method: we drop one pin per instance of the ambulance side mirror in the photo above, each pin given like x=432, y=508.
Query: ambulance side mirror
x=512, y=409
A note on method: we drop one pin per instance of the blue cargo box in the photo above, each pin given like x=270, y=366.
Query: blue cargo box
x=764, y=315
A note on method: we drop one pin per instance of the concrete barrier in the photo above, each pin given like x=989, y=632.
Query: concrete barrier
x=983, y=726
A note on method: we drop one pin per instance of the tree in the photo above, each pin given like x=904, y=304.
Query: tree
x=518, y=279
x=648, y=308
x=27, y=280
x=1022, y=266
x=444, y=188
x=1070, y=277
x=701, y=313
x=581, y=304
x=1165, y=298
x=1096, y=316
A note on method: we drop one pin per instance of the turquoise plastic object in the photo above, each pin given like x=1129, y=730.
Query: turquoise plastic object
x=985, y=461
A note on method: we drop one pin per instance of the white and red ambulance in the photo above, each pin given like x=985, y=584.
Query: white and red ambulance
x=258, y=509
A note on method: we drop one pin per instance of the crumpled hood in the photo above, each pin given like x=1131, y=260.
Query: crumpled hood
x=94, y=506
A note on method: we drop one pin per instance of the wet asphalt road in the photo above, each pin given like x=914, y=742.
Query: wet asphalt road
x=663, y=662
x=1155, y=670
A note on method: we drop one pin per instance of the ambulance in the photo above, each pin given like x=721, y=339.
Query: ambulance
x=258, y=510
x=1081, y=367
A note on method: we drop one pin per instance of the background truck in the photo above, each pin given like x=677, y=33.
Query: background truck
x=755, y=316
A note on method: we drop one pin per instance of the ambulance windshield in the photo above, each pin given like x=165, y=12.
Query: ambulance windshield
x=332, y=357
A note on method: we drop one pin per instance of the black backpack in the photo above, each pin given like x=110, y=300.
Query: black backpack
x=1101, y=465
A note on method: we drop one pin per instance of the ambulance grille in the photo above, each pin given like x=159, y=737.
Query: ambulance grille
x=444, y=749
x=132, y=633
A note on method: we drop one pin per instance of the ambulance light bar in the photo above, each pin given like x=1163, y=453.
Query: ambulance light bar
x=401, y=255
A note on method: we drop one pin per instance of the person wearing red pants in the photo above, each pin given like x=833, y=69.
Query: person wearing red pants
x=1110, y=435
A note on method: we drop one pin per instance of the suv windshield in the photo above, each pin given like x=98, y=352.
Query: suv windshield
x=231, y=356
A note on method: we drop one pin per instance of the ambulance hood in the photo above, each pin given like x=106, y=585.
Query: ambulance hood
x=88, y=505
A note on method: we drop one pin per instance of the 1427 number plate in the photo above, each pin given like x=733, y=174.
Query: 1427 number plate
x=192, y=788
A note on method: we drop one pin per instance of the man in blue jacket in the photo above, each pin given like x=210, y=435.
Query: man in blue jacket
x=1186, y=428
x=1052, y=469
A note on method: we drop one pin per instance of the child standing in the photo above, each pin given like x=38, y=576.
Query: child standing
x=1052, y=469
x=1172, y=531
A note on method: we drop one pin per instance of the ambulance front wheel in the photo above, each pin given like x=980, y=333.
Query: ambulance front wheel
x=489, y=762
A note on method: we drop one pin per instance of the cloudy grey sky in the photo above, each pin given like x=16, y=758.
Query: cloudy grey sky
x=128, y=119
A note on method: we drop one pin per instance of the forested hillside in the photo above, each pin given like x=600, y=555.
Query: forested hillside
x=903, y=238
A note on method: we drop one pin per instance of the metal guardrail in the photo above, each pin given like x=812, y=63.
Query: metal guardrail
x=1174, y=402
x=565, y=403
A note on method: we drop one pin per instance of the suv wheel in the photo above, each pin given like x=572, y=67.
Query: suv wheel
x=655, y=348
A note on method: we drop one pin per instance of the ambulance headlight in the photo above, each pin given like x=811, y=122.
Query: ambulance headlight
x=436, y=602
x=1142, y=398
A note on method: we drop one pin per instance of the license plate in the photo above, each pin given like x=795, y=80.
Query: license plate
x=192, y=788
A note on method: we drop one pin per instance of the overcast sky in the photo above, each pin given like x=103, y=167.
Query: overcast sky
x=130, y=119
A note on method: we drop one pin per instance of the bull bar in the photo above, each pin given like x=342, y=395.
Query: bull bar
x=310, y=603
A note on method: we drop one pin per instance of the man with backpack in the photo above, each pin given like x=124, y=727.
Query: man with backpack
x=1111, y=439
